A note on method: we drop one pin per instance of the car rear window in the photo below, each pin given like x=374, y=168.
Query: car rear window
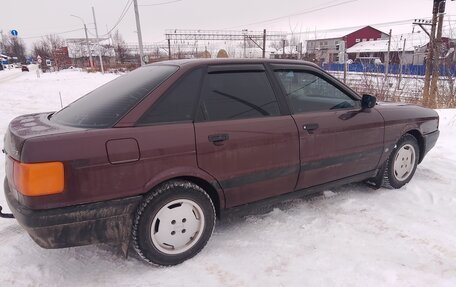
x=104, y=106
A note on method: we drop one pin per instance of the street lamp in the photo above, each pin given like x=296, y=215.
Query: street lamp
x=87, y=39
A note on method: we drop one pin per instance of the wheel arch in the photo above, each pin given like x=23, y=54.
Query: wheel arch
x=420, y=139
x=209, y=184
x=208, y=188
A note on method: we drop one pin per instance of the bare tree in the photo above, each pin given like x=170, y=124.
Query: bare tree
x=13, y=47
x=42, y=49
x=277, y=45
x=120, y=47
x=46, y=46
x=55, y=42
x=446, y=97
x=374, y=83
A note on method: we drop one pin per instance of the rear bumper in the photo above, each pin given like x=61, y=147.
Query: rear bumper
x=107, y=221
x=429, y=141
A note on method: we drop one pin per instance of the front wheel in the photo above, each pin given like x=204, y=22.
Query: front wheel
x=173, y=223
x=402, y=163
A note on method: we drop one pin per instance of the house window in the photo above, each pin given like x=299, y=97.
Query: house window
x=357, y=40
x=364, y=39
x=371, y=39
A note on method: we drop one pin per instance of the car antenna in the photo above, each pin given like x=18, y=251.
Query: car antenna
x=61, y=103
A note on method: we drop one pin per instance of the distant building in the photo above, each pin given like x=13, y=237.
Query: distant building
x=414, y=52
x=79, y=55
x=327, y=47
x=61, y=58
x=291, y=52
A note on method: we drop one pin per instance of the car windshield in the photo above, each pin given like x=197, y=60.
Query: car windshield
x=104, y=106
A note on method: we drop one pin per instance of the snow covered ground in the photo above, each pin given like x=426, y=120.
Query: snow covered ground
x=349, y=236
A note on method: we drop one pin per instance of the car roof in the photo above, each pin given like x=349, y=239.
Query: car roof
x=199, y=62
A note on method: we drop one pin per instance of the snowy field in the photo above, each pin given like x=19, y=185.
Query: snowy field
x=350, y=236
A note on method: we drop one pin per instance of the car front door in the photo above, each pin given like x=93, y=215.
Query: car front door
x=337, y=138
x=243, y=139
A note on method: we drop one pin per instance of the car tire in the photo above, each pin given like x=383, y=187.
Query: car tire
x=173, y=223
x=401, y=164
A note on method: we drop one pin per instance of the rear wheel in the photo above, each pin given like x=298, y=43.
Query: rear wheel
x=402, y=163
x=173, y=223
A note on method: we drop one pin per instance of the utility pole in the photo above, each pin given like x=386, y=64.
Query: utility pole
x=422, y=23
x=138, y=28
x=430, y=55
x=401, y=63
x=345, y=62
x=245, y=43
x=436, y=67
x=388, y=55
x=100, y=57
x=264, y=43
x=169, y=49
x=88, y=47
x=87, y=40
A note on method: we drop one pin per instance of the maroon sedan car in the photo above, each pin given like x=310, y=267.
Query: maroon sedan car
x=155, y=156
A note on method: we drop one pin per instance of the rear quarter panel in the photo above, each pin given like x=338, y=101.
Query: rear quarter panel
x=91, y=177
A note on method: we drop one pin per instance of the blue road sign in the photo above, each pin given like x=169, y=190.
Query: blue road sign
x=14, y=33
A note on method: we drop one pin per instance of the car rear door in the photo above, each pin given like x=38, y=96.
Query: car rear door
x=337, y=138
x=243, y=137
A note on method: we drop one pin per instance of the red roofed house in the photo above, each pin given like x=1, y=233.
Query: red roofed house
x=326, y=48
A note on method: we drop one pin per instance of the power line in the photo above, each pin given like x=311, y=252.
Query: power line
x=91, y=34
x=122, y=15
x=161, y=3
x=59, y=33
x=400, y=22
x=297, y=14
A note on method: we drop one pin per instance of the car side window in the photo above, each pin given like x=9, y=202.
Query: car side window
x=177, y=105
x=307, y=92
x=237, y=95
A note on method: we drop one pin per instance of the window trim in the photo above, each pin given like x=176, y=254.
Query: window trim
x=229, y=68
x=276, y=86
x=235, y=68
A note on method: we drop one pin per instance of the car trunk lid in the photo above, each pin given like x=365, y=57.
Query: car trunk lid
x=30, y=126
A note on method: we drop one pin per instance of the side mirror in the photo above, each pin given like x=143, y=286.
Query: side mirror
x=368, y=102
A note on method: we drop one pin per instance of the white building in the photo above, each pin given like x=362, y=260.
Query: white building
x=414, y=51
x=77, y=48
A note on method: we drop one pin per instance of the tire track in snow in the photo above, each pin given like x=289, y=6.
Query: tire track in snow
x=8, y=78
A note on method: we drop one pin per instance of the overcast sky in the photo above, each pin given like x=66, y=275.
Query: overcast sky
x=35, y=18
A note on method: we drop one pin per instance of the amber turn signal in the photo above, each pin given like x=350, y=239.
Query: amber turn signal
x=36, y=179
